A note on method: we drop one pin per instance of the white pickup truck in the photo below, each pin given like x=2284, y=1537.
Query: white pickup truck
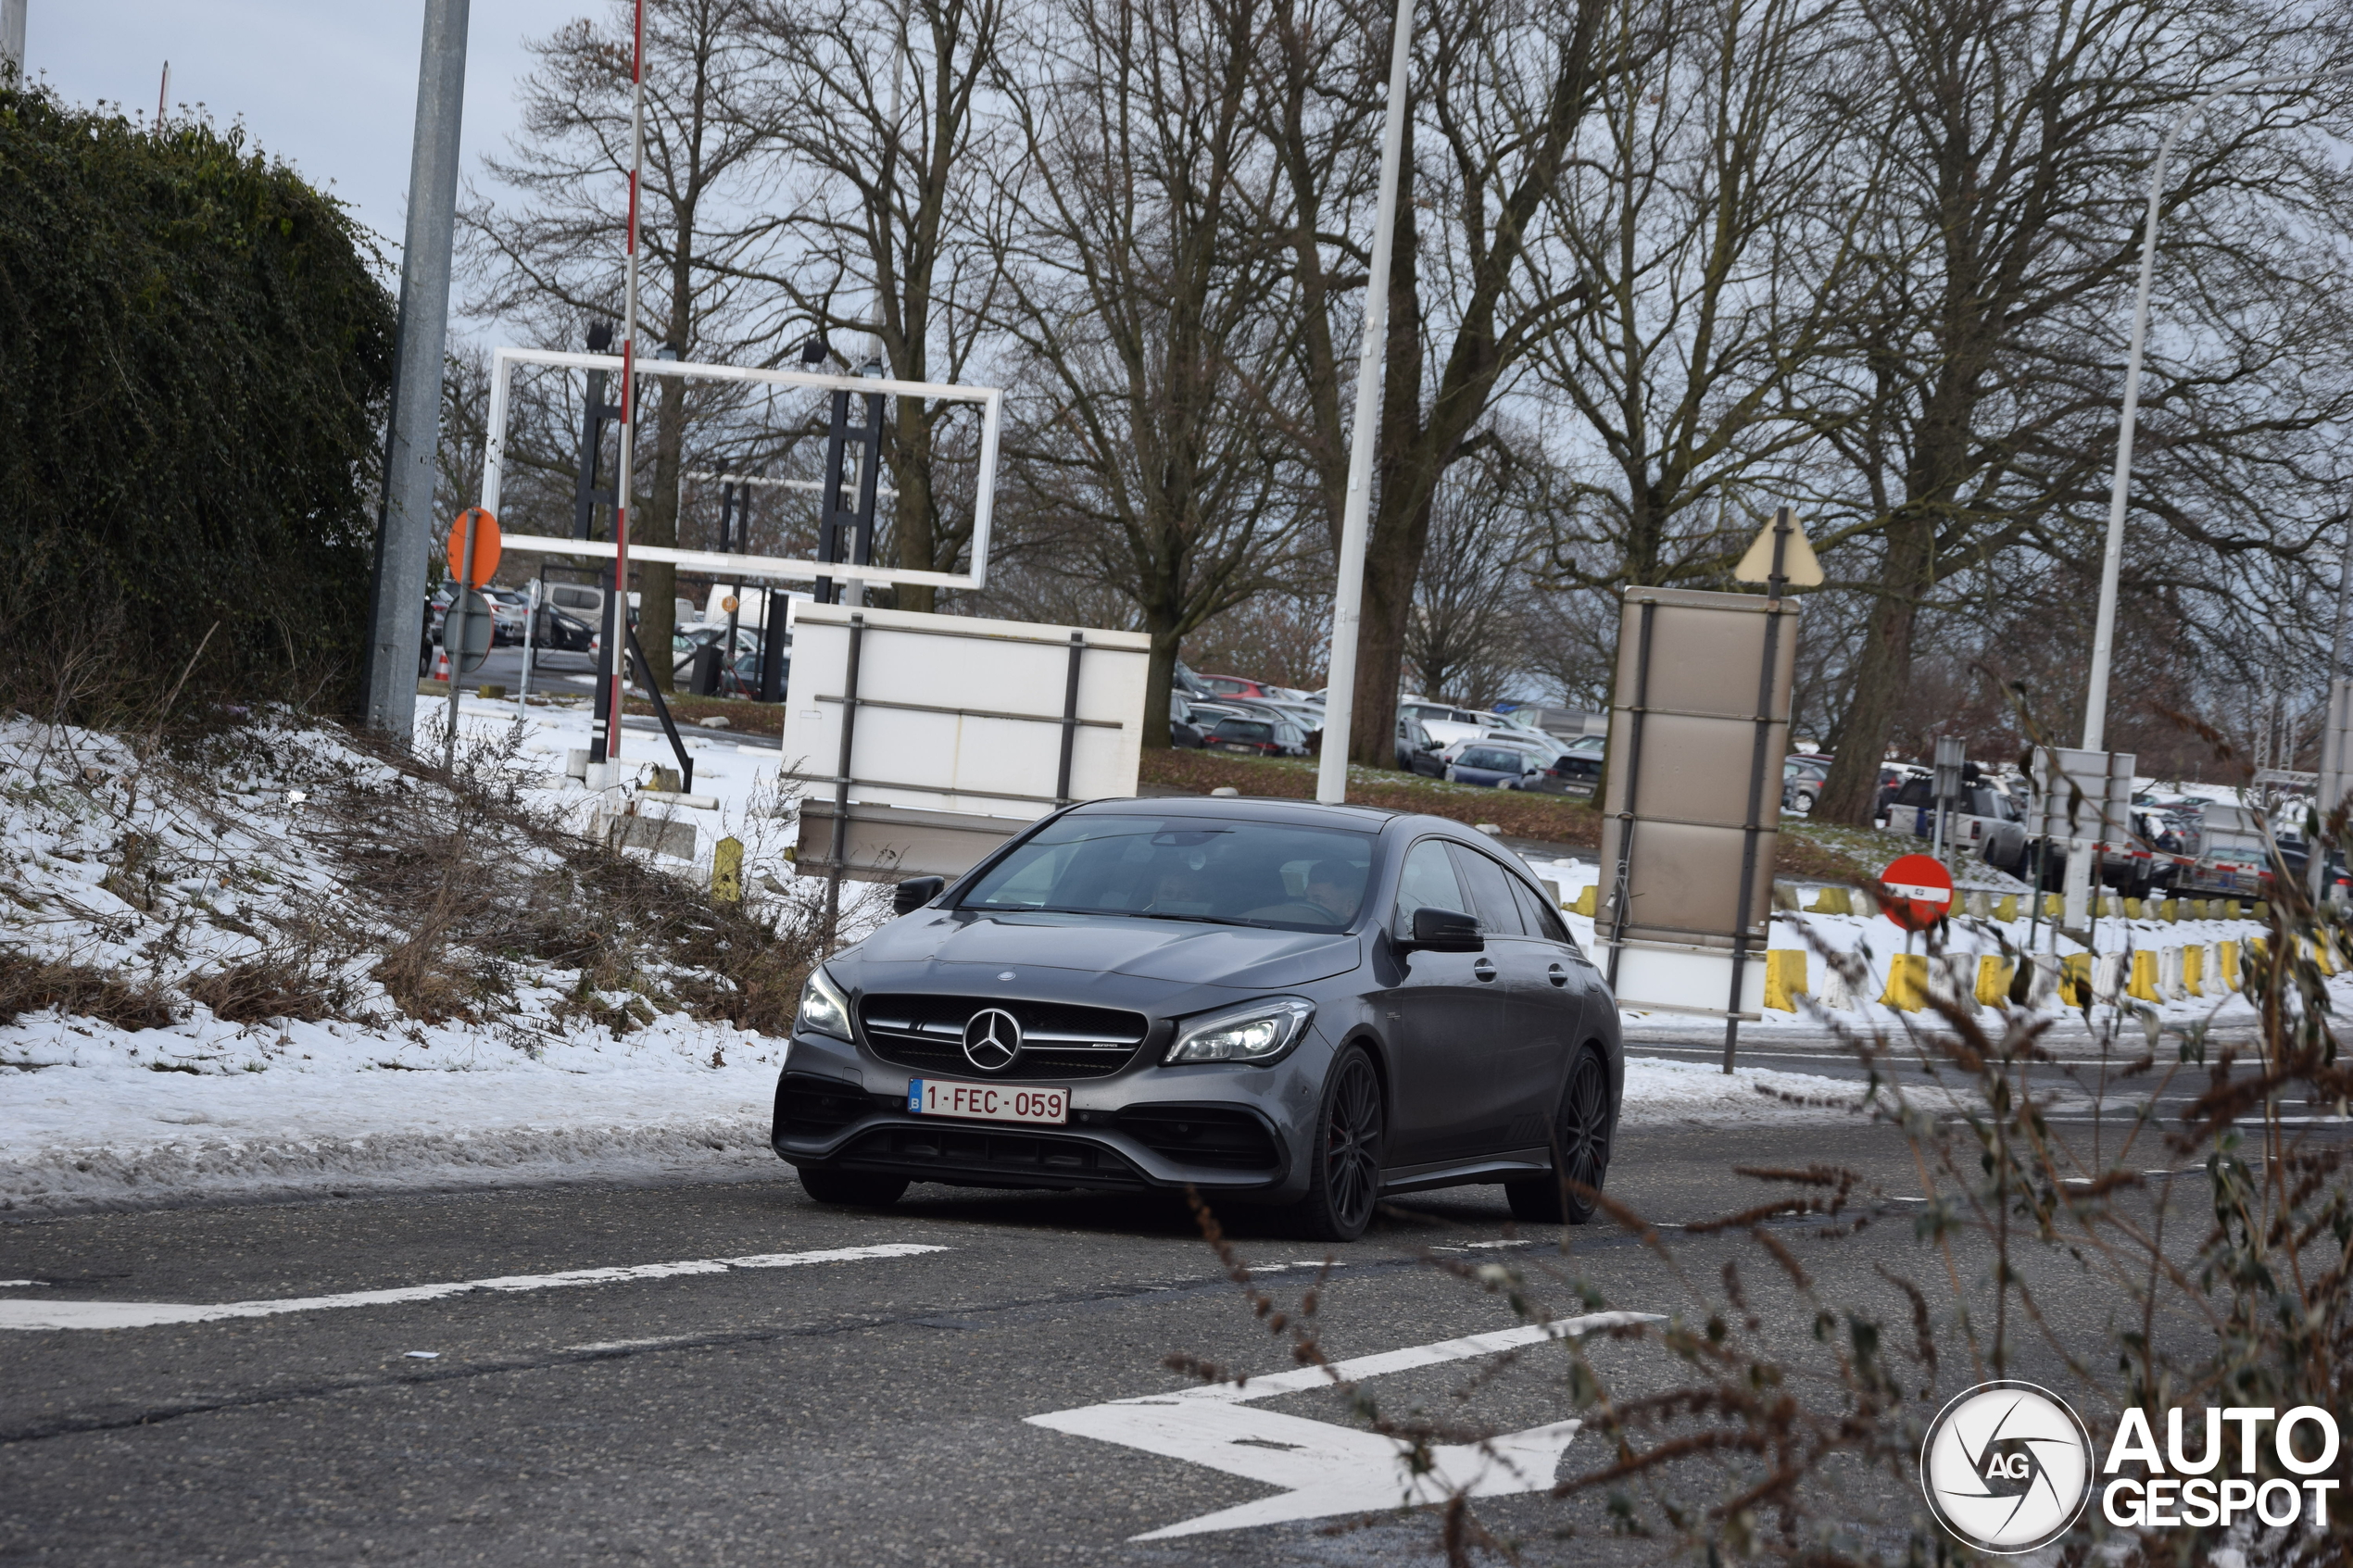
x=2230, y=852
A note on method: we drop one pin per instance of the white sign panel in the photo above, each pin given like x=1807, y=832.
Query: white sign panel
x=958, y=714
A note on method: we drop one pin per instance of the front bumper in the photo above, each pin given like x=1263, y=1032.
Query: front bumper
x=836, y=1109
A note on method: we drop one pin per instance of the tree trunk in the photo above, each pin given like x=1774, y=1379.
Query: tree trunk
x=658, y=581
x=1883, y=673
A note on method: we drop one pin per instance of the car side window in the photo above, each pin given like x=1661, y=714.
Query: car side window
x=1427, y=882
x=1538, y=918
x=1491, y=891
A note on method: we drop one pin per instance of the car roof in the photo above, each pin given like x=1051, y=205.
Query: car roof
x=1248, y=808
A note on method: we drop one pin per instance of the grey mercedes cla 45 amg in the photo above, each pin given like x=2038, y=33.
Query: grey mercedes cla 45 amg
x=1266, y=1001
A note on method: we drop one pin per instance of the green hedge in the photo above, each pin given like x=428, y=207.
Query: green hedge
x=197, y=349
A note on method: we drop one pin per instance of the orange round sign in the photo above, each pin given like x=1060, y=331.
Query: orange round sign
x=486, y=559
x=728, y=604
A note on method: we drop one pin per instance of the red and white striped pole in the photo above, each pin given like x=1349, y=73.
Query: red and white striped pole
x=617, y=627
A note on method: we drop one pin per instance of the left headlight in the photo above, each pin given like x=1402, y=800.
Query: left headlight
x=824, y=1010
x=1259, y=1032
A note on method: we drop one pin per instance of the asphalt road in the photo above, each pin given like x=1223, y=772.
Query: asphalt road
x=826, y=1386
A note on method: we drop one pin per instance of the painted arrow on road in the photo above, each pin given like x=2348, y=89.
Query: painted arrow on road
x=1326, y=1469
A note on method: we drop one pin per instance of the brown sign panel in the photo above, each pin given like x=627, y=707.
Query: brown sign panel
x=1699, y=727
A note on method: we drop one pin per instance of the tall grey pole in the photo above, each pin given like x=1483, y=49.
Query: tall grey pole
x=12, y=33
x=1340, y=693
x=403, y=536
x=2081, y=869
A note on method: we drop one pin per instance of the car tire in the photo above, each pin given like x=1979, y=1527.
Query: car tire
x=1344, y=1181
x=1582, y=1131
x=850, y=1190
x=1805, y=801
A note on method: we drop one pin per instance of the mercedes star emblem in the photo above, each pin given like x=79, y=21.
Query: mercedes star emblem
x=992, y=1039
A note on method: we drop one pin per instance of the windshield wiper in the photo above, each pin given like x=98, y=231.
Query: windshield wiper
x=1203, y=919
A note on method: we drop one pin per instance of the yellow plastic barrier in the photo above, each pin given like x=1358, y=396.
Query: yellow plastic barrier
x=2318, y=952
x=1785, y=978
x=2144, y=985
x=1906, y=983
x=1993, y=975
x=2053, y=905
x=1831, y=901
x=2007, y=909
x=1588, y=900
x=2133, y=909
x=2194, y=970
x=2226, y=958
x=2169, y=910
x=2075, y=980
x=2230, y=908
x=2262, y=910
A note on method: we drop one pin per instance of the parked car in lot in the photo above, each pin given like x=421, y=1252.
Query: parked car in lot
x=1493, y=766
x=1416, y=752
x=1267, y=736
x=1234, y=685
x=1182, y=731
x=1801, y=782
x=2230, y=852
x=1266, y=1002
x=1566, y=768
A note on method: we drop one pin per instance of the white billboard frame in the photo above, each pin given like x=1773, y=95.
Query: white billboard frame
x=774, y=568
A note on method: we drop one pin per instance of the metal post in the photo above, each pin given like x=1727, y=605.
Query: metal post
x=1070, y=718
x=1619, y=893
x=2111, y=565
x=12, y=34
x=841, y=778
x=619, y=619
x=1339, y=694
x=461, y=609
x=529, y=624
x=1776, y=580
x=412, y=437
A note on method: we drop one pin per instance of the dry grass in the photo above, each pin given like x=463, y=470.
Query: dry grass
x=268, y=987
x=30, y=984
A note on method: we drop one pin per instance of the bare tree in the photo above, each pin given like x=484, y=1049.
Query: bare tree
x=1715, y=241
x=1137, y=308
x=554, y=262
x=1466, y=639
x=891, y=145
x=1502, y=91
x=2015, y=140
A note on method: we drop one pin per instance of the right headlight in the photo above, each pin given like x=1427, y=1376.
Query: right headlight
x=1259, y=1032
x=824, y=1010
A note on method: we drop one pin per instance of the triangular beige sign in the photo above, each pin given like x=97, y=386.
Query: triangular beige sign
x=1798, y=564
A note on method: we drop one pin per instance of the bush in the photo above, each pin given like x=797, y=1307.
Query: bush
x=200, y=352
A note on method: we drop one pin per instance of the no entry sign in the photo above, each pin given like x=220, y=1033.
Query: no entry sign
x=1918, y=891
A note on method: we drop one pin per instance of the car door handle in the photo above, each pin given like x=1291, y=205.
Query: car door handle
x=1557, y=976
x=1484, y=968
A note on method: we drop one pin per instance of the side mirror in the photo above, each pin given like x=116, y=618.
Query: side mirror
x=914, y=893
x=1446, y=930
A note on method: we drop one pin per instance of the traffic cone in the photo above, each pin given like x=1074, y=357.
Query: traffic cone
x=441, y=665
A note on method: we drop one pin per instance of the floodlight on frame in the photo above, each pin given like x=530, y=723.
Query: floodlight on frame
x=780, y=569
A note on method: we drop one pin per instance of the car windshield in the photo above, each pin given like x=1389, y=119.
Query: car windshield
x=1185, y=869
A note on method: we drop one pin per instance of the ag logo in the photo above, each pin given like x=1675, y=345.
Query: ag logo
x=2007, y=1467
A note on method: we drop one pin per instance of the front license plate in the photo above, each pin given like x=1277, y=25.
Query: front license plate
x=987, y=1102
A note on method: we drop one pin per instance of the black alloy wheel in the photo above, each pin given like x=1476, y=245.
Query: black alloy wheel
x=1580, y=1150
x=850, y=1190
x=1346, y=1180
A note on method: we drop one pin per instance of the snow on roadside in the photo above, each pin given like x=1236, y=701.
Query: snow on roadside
x=1660, y=1092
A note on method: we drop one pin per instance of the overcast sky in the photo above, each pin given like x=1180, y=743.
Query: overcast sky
x=328, y=85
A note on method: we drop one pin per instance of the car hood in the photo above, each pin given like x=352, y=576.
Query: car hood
x=939, y=945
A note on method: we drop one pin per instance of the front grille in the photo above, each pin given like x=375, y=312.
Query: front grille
x=1021, y=1158
x=1220, y=1136
x=1059, y=1039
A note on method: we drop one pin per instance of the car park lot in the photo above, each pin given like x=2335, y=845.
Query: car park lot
x=730, y=1372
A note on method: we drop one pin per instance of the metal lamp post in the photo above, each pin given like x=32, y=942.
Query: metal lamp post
x=2078, y=864
x=1340, y=693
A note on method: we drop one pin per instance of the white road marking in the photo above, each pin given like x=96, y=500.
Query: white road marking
x=1326, y=1469
x=13, y=1284
x=148, y=1314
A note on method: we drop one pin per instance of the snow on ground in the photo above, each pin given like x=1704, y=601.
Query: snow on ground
x=92, y=1115
x=1877, y=940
